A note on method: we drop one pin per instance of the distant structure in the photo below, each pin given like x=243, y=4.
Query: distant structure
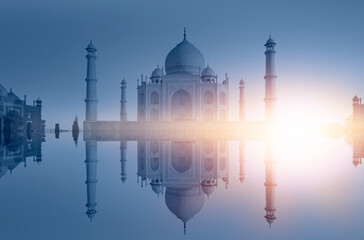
x=187, y=171
x=17, y=116
x=123, y=114
x=242, y=100
x=75, y=130
x=270, y=81
x=18, y=150
x=187, y=91
x=358, y=112
x=91, y=97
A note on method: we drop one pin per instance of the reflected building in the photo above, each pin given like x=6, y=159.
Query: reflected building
x=16, y=151
x=358, y=149
x=185, y=171
x=186, y=91
x=16, y=116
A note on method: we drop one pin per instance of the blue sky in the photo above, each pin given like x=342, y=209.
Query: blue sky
x=319, y=52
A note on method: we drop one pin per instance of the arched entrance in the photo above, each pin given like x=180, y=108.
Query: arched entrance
x=181, y=106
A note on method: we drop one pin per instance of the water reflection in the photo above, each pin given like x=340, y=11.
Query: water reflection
x=91, y=170
x=357, y=143
x=17, y=149
x=184, y=172
x=187, y=171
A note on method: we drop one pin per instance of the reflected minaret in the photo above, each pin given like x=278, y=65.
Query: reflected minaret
x=123, y=149
x=91, y=169
x=270, y=182
x=123, y=115
x=270, y=81
x=242, y=161
x=358, y=149
x=91, y=97
x=242, y=100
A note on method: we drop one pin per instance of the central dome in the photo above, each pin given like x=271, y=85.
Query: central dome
x=184, y=58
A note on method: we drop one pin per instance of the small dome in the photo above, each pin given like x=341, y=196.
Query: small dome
x=184, y=58
x=242, y=82
x=208, y=72
x=157, y=188
x=208, y=189
x=270, y=41
x=355, y=98
x=242, y=179
x=123, y=82
x=157, y=73
x=91, y=46
x=3, y=91
x=270, y=218
x=91, y=213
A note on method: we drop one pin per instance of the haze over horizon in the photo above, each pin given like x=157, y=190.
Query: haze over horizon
x=319, y=62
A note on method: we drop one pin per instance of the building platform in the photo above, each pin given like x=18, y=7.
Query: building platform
x=133, y=130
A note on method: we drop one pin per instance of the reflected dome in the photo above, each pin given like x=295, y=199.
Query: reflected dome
x=185, y=203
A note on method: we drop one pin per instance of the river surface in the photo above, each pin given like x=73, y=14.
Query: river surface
x=304, y=187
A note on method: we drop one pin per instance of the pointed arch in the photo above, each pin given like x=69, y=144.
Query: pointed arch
x=208, y=98
x=154, y=98
x=181, y=106
x=222, y=98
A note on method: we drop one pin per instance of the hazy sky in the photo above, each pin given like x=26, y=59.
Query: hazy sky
x=320, y=60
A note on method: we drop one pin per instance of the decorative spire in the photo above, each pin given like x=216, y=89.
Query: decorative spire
x=184, y=33
x=184, y=228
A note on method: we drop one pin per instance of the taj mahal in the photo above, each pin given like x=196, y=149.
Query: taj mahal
x=181, y=112
x=186, y=91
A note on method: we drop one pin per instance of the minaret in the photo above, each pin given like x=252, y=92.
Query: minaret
x=242, y=161
x=356, y=103
x=91, y=169
x=91, y=97
x=270, y=81
x=270, y=181
x=123, y=115
x=242, y=100
x=123, y=149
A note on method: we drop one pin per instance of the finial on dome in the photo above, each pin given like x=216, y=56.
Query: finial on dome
x=208, y=65
x=184, y=33
x=184, y=228
x=157, y=65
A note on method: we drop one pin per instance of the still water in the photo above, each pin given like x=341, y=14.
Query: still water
x=304, y=187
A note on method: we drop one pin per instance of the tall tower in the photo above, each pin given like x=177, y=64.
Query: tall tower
x=123, y=149
x=270, y=80
x=270, y=181
x=242, y=161
x=356, y=112
x=242, y=100
x=91, y=169
x=91, y=97
x=123, y=115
